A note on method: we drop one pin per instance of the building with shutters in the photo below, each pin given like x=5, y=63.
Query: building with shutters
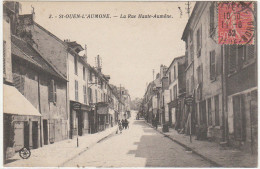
x=45, y=88
x=222, y=80
x=204, y=71
x=34, y=92
x=176, y=77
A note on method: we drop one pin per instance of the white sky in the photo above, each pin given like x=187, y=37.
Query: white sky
x=130, y=48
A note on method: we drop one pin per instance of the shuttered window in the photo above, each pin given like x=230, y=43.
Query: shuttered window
x=4, y=56
x=212, y=17
x=76, y=64
x=199, y=42
x=18, y=81
x=85, y=93
x=76, y=90
x=84, y=73
x=90, y=95
x=212, y=65
x=52, y=92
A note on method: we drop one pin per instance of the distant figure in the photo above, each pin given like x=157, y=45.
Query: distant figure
x=120, y=126
x=123, y=123
x=126, y=124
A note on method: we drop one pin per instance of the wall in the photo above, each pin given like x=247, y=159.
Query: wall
x=7, y=59
x=54, y=113
x=50, y=47
x=78, y=77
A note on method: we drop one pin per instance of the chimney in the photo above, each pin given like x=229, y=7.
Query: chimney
x=99, y=63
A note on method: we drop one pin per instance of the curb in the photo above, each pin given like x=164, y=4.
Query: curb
x=188, y=148
x=85, y=149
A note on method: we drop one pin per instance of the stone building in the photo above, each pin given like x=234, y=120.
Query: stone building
x=205, y=55
x=176, y=76
x=46, y=89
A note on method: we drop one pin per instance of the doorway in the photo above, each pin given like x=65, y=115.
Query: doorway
x=26, y=134
x=35, y=134
x=80, y=122
x=45, y=132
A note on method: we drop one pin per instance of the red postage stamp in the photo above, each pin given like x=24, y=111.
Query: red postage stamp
x=236, y=23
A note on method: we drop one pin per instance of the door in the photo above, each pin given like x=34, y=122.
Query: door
x=35, y=134
x=203, y=116
x=26, y=135
x=18, y=135
x=80, y=123
x=253, y=122
x=45, y=132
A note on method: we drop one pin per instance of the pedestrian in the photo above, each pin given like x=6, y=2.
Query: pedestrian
x=123, y=123
x=127, y=124
x=120, y=128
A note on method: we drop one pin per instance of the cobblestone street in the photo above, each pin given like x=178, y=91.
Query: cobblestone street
x=139, y=146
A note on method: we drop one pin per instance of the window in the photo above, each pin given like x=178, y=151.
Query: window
x=90, y=76
x=191, y=46
x=200, y=74
x=76, y=65
x=175, y=92
x=4, y=56
x=171, y=94
x=170, y=77
x=18, y=81
x=199, y=42
x=239, y=117
x=212, y=65
x=76, y=90
x=52, y=92
x=84, y=73
x=217, y=110
x=90, y=95
x=209, y=112
x=211, y=19
x=239, y=56
x=174, y=72
x=85, y=93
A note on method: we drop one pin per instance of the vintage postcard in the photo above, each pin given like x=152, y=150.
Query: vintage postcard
x=130, y=84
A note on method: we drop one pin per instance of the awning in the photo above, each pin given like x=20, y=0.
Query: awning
x=15, y=103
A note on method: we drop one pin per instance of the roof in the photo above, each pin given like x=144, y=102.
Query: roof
x=26, y=52
x=175, y=59
x=15, y=103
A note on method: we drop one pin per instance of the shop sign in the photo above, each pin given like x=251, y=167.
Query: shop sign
x=76, y=106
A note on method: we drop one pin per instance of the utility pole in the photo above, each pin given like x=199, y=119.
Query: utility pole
x=188, y=8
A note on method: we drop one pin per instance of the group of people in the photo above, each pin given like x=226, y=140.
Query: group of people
x=123, y=124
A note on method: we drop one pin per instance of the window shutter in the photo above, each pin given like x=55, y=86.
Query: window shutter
x=232, y=58
x=250, y=51
x=212, y=18
x=4, y=56
x=18, y=81
x=51, y=91
x=54, y=92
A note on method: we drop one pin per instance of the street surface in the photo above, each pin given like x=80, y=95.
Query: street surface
x=138, y=146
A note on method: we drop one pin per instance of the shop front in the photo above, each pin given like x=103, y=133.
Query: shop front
x=79, y=119
x=102, y=116
x=21, y=122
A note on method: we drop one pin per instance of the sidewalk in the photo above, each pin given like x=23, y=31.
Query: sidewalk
x=55, y=155
x=212, y=151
